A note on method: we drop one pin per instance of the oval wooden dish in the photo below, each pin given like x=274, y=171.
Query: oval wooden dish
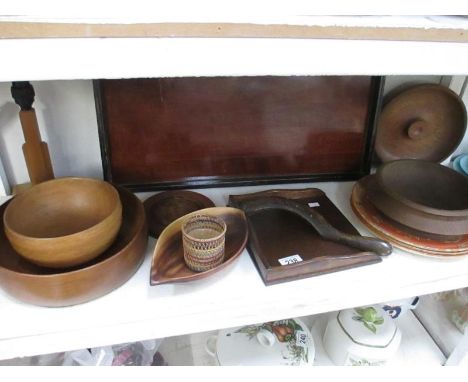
x=168, y=265
x=62, y=287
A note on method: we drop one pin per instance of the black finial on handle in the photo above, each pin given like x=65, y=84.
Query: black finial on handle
x=23, y=94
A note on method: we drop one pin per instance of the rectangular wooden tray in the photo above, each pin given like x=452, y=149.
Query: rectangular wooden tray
x=278, y=234
x=203, y=132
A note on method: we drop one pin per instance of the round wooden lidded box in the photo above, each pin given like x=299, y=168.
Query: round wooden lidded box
x=361, y=336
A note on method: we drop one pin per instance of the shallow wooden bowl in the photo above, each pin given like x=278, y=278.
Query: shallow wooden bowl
x=62, y=287
x=422, y=195
x=64, y=222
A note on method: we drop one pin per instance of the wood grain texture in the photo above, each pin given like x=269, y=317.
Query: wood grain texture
x=163, y=208
x=168, y=264
x=64, y=222
x=36, y=152
x=227, y=30
x=202, y=131
x=58, y=287
x=277, y=234
x=400, y=236
x=425, y=122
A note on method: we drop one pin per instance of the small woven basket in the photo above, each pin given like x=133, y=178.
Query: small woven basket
x=203, y=238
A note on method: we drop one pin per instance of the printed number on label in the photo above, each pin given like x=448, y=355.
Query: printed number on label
x=302, y=339
x=290, y=260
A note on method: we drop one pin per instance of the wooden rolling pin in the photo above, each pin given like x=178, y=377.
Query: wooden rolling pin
x=36, y=152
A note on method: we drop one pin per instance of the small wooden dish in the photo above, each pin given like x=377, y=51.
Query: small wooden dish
x=62, y=287
x=163, y=208
x=168, y=264
x=64, y=222
x=400, y=236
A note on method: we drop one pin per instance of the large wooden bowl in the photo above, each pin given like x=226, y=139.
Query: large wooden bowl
x=62, y=287
x=64, y=222
x=422, y=195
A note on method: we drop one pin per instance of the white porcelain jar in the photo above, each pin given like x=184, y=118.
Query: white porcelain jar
x=361, y=336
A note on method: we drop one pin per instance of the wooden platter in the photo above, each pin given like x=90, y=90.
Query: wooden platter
x=58, y=287
x=163, y=208
x=400, y=236
x=285, y=247
x=168, y=265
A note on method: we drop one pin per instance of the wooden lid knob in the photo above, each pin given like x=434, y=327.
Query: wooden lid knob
x=417, y=129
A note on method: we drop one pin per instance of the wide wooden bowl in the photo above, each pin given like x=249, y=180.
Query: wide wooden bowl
x=422, y=195
x=62, y=287
x=64, y=222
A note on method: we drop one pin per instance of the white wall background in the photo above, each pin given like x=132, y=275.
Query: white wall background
x=67, y=119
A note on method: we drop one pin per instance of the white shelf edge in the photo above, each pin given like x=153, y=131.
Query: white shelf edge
x=93, y=58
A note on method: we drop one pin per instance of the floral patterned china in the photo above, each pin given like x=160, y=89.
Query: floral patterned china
x=278, y=343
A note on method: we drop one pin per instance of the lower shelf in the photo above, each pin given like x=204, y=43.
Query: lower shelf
x=417, y=347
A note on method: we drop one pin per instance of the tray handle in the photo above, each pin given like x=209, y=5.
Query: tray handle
x=321, y=225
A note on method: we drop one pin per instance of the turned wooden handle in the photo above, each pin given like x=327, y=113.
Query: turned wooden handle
x=36, y=152
x=321, y=225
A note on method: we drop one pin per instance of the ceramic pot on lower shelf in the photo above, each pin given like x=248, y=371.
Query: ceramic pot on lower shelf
x=278, y=343
x=361, y=337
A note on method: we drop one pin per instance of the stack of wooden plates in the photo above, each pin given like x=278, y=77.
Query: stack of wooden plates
x=401, y=236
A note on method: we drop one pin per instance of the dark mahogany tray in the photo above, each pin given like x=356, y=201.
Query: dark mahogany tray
x=168, y=265
x=276, y=234
x=167, y=133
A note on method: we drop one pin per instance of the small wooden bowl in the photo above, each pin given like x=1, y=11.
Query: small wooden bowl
x=63, y=287
x=64, y=222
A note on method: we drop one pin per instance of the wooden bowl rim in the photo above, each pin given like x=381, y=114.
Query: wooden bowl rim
x=141, y=222
x=112, y=192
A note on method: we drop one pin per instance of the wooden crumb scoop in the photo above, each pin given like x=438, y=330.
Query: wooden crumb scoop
x=36, y=152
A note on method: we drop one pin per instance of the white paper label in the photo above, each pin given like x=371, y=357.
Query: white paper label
x=314, y=204
x=302, y=338
x=290, y=260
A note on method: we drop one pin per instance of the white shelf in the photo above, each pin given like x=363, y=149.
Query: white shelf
x=234, y=297
x=416, y=349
